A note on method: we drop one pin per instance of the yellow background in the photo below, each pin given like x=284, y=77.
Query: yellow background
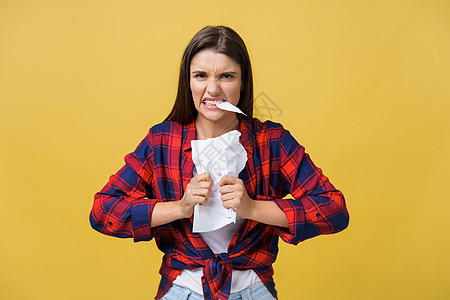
x=363, y=85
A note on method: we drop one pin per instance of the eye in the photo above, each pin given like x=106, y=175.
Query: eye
x=227, y=76
x=199, y=75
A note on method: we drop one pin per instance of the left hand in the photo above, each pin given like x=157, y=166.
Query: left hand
x=235, y=196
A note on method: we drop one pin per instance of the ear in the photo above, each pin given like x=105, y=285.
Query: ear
x=242, y=87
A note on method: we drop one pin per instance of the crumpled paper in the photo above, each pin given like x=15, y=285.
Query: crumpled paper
x=223, y=155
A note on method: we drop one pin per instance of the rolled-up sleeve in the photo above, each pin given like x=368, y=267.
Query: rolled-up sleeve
x=318, y=207
x=123, y=207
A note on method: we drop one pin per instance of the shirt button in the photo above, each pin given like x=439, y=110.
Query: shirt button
x=317, y=215
x=110, y=223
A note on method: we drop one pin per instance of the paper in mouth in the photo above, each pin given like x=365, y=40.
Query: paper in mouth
x=225, y=105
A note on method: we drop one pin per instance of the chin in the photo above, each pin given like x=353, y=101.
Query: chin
x=215, y=116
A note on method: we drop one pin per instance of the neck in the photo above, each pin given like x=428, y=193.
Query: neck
x=208, y=129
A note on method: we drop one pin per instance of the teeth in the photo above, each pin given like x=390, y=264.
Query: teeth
x=212, y=102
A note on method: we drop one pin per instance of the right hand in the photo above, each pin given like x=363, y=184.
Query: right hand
x=197, y=192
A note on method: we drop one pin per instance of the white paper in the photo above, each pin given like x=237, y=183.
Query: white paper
x=225, y=105
x=223, y=155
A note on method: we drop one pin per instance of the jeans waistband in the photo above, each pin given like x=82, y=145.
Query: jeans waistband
x=256, y=291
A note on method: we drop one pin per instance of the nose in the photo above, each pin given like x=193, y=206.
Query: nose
x=213, y=88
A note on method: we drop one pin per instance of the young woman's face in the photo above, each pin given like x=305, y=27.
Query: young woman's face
x=214, y=77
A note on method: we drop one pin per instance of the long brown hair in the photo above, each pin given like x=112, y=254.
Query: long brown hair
x=223, y=40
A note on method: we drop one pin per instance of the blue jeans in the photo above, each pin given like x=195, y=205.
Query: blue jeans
x=257, y=291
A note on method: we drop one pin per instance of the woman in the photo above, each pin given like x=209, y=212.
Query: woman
x=154, y=194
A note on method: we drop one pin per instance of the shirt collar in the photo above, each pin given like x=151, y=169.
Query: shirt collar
x=245, y=128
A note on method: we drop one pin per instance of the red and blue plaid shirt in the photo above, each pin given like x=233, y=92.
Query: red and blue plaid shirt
x=160, y=169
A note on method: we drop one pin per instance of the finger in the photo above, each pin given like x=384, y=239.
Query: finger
x=208, y=194
x=202, y=192
x=227, y=179
x=200, y=200
x=226, y=189
x=201, y=185
x=199, y=192
x=229, y=204
x=227, y=197
x=203, y=177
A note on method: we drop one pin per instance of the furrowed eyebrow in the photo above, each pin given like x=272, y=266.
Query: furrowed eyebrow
x=223, y=73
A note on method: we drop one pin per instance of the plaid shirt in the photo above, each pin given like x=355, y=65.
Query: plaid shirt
x=160, y=169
